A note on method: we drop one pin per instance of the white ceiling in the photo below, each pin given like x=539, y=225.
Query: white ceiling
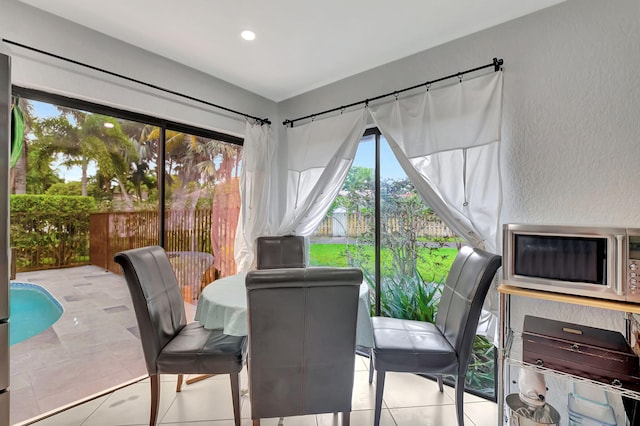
x=300, y=44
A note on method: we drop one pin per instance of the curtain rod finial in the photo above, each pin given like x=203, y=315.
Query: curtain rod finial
x=497, y=63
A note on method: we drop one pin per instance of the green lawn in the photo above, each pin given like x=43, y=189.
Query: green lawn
x=433, y=265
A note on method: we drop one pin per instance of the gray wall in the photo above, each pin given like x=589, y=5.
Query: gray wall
x=32, y=27
x=571, y=128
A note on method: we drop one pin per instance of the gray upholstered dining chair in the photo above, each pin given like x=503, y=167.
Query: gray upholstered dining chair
x=302, y=337
x=444, y=347
x=288, y=251
x=170, y=345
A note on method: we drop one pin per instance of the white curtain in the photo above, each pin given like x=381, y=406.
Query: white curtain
x=319, y=155
x=447, y=141
x=256, y=180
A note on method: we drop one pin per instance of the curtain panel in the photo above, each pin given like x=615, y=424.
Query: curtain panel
x=445, y=139
x=447, y=142
x=256, y=180
x=319, y=156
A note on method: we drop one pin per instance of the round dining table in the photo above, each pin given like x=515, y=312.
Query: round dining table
x=223, y=305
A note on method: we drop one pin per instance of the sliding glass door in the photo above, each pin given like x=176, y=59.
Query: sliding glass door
x=87, y=182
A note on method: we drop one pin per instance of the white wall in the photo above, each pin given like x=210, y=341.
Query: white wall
x=32, y=27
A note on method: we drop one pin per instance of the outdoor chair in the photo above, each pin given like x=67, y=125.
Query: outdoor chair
x=302, y=338
x=287, y=251
x=444, y=347
x=170, y=345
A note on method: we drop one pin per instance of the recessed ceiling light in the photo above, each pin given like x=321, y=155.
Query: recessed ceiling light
x=248, y=35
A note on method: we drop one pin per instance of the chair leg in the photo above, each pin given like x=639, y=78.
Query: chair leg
x=439, y=377
x=370, y=365
x=371, y=371
x=155, y=398
x=179, y=385
x=256, y=422
x=235, y=396
x=346, y=418
x=460, y=399
x=379, y=391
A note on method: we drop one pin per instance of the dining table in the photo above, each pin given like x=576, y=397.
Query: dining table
x=223, y=305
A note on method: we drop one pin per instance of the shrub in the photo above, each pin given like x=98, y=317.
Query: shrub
x=50, y=230
x=408, y=297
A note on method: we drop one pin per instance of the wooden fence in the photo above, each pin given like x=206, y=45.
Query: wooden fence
x=357, y=225
x=187, y=241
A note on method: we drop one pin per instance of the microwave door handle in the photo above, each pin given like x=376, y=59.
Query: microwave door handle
x=619, y=273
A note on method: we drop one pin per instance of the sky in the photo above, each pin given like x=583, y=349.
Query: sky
x=389, y=166
x=365, y=156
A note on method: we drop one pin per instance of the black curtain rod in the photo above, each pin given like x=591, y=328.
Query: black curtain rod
x=153, y=86
x=496, y=64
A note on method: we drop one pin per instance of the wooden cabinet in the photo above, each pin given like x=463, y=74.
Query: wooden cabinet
x=510, y=344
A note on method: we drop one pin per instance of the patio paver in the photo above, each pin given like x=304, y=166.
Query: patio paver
x=92, y=347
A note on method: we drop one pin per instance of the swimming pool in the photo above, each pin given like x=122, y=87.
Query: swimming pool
x=32, y=309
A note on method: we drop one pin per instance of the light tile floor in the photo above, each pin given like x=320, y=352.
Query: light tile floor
x=409, y=400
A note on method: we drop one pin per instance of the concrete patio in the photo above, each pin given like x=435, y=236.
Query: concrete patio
x=94, y=345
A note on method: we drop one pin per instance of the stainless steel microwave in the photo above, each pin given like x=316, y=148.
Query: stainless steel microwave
x=599, y=262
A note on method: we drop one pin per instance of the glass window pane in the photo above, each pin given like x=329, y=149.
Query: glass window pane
x=417, y=248
x=346, y=235
x=202, y=204
x=84, y=187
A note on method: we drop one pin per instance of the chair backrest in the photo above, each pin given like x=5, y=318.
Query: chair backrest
x=287, y=251
x=156, y=298
x=463, y=295
x=302, y=326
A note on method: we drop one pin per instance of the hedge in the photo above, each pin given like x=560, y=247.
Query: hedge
x=50, y=231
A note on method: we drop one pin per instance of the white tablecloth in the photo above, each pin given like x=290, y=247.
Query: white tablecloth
x=223, y=304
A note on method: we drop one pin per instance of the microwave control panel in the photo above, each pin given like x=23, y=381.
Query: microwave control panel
x=633, y=264
x=632, y=274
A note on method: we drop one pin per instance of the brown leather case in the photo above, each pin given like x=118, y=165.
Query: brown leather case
x=594, y=353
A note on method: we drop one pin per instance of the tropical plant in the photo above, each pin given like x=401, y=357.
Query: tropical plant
x=481, y=371
x=40, y=175
x=65, y=188
x=81, y=138
x=408, y=297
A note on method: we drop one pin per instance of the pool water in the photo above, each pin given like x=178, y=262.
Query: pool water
x=32, y=309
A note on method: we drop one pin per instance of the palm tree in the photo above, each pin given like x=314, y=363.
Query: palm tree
x=81, y=138
x=145, y=140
